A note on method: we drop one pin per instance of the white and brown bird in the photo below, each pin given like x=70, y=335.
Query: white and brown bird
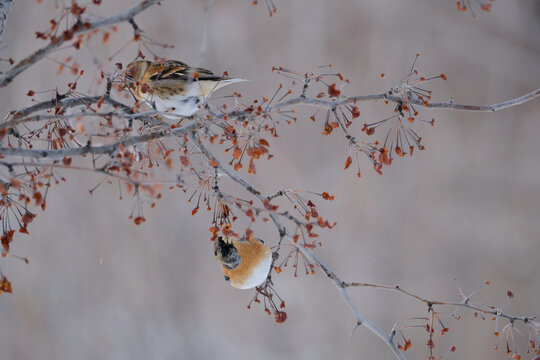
x=245, y=262
x=172, y=86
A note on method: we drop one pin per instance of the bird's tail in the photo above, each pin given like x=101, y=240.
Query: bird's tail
x=208, y=87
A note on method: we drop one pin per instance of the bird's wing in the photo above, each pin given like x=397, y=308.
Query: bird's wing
x=204, y=74
x=168, y=70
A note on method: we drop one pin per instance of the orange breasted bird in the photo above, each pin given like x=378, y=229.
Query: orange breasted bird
x=245, y=262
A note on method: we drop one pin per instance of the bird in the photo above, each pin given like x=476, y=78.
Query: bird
x=245, y=262
x=172, y=86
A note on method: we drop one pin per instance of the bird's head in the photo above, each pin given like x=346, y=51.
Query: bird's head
x=134, y=72
x=226, y=252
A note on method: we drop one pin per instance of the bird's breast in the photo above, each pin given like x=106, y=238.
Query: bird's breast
x=178, y=105
x=256, y=260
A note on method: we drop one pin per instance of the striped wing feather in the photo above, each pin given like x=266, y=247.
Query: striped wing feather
x=177, y=70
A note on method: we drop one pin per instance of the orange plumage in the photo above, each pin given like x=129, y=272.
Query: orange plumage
x=245, y=262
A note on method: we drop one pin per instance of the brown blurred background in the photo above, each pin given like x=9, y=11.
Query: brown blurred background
x=99, y=287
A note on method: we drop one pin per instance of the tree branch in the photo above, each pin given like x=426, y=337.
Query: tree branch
x=301, y=100
x=104, y=149
x=22, y=116
x=386, y=96
x=332, y=104
x=340, y=285
x=483, y=108
x=465, y=303
x=5, y=9
x=33, y=58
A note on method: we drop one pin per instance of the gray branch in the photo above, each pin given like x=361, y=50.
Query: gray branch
x=340, y=284
x=33, y=58
x=19, y=117
x=332, y=104
x=5, y=9
x=483, y=108
x=23, y=115
x=386, y=96
x=96, y=150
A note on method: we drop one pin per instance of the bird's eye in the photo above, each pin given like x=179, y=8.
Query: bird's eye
x=227, y=278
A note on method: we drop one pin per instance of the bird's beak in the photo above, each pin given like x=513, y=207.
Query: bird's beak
x=125, y=84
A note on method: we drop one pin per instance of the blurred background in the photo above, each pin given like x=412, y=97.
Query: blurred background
x=99, y=287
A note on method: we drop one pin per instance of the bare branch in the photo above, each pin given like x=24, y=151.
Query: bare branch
x=33, y=58
x=22, y=116
x=104, y=149
x=397, y=99
x=99, y=170
x=387, y=96
x=491, y=108
x=340, y=285
x=45, y=105
x=465, y=303
x=5, y=9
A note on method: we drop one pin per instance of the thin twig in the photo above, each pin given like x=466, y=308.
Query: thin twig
x=430, y=303
x=482, y=108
